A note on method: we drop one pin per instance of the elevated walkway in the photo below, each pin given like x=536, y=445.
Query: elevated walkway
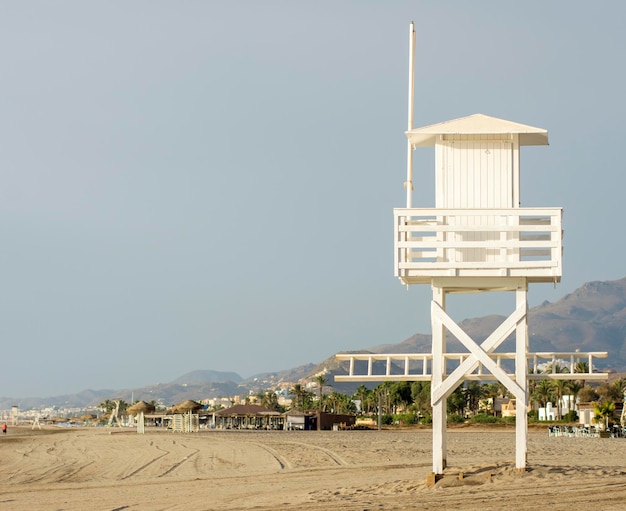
x=376, y=367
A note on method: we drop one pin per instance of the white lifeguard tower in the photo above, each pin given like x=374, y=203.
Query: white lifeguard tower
x=476, y=239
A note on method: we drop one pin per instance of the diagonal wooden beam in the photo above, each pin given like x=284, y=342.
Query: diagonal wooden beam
x=478, y=352
x=497, y=337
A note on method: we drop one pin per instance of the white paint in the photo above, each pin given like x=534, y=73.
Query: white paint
x=477, y=239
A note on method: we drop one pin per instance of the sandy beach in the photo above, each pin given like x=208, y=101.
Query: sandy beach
x=101, y=469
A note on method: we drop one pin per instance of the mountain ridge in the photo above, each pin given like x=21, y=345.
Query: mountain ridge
x=590, y=318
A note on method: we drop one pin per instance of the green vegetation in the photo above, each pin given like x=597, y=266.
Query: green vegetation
x=455, y=418
x=408, y=403
x=604, y=412
x=108, y=406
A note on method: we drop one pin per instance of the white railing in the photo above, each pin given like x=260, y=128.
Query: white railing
x=418, y=366
x=516, y=242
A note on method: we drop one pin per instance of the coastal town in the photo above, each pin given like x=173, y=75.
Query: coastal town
x=312, y=404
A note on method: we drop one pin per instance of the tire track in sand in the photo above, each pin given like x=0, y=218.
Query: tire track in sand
x=184, y=460
x=338, y=460
x=74, y=472
x=146, y=465
x=283, y=462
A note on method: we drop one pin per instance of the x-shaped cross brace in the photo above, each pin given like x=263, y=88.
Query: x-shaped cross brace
x=478, y=354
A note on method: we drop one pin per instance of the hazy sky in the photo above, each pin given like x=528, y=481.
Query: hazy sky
x=209, y=185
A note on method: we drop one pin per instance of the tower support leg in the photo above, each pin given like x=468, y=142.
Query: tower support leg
x=521, y=372
x=438, y=373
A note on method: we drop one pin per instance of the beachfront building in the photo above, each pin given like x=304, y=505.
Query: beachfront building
x=546, y=413
x=248, y=417
x=477, y=239
x=318, y=421
x=551, y=412
x=508, y=408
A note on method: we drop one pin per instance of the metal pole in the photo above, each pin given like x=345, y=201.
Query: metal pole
x=409, y=154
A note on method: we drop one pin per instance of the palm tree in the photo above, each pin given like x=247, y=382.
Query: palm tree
x=604, y=411
x=382, y=392
x=334, y=401
x=400, y=394
x=361, y=394
x=347, y=404
x=298, y=391
x=456, y=401
x=560, y=388
x=620, y=386
x=543, y=392
x=558, y=368
x=532, y=383
x=341, y=403
x=574, y=387
x=420, y=394
x=372, y=400
x=473, y=392
x=321, y=381
x=270, y=400
x=493, y=391
x=107, y=406
x=582, y=366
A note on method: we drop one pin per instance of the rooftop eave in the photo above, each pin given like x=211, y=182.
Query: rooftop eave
x=477, y=124
x=429, y=139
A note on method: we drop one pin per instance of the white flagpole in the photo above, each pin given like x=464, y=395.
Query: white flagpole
x=409, y=154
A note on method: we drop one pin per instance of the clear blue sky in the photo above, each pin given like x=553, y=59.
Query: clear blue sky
x=209, y=185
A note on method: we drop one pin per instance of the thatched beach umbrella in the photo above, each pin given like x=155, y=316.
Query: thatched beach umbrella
x=139, y=409
x=187, y=406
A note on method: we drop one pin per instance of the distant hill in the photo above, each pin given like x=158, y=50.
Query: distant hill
x=80, y=400
x=207, y=376
x=332, y=367
x=592, y=318
x=295, y=374
x=168, y=394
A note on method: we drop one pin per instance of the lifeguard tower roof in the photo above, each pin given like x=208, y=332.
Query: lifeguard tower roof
x=477, y=124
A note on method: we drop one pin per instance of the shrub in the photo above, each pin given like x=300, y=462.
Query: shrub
x=483, y=418
x=571, y=416
x=426, y=419
x=386, y=419
x=455, y=418
x=406, y=418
